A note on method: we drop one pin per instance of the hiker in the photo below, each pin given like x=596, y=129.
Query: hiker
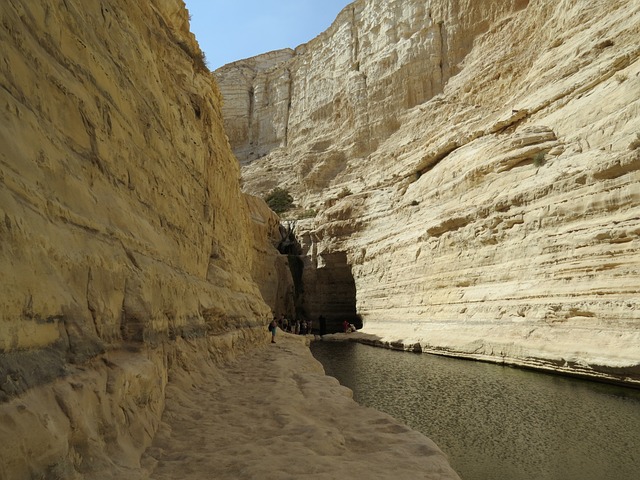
x=272, y=328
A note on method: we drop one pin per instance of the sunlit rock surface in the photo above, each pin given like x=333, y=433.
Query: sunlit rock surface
x=123, y=231
x=477, y=167
x=138, y=279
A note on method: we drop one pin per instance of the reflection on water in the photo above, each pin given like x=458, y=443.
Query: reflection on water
x=495, y=422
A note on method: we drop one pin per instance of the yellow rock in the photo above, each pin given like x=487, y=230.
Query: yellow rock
x=124, y=233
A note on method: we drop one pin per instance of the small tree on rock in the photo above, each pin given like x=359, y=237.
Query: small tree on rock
x=279, y=200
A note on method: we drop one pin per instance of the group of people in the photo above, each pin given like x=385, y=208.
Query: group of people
x=348, y=327
x=302, y=326
x=297, y=326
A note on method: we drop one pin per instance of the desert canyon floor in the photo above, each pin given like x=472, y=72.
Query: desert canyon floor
x=273, y=414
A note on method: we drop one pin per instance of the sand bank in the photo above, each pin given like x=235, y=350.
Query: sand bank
x=273, y=414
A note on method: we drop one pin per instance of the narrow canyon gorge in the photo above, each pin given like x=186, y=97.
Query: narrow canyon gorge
x=466, y=182
x=471, y=169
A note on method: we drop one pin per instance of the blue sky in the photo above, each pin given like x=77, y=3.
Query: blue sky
x=230, y=30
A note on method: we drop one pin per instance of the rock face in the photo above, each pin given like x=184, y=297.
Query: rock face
x=254, y=100
x=124, y=233
x=476, y=169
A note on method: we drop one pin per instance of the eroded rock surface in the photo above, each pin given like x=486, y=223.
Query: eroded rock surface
x=477, y=164
x=277, y=415
x=123, y=231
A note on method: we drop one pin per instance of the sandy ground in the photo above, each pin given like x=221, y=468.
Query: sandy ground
x=273, y=414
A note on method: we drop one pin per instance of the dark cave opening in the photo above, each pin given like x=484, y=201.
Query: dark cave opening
x=323, y=284
x=330, y=292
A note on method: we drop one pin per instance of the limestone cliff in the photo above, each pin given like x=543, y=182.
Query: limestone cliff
x=124, y=233
x=476, y=169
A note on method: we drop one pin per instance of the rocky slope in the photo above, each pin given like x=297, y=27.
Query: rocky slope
x=124, y=233
x=476, y=171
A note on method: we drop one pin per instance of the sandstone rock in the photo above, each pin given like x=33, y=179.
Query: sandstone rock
x=277, y=415
x=123, y=230
x=490, y=150
x=272, y=272
x=253, y=98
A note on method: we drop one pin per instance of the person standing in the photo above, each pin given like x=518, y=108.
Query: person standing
x=272, y=328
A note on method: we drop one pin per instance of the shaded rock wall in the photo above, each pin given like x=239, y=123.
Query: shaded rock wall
x=329, y=290
x=479, y=165
x=271, y=271
x=123, y=230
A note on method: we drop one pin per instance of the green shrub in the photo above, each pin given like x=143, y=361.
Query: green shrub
x=538, y=159
x=279, y=200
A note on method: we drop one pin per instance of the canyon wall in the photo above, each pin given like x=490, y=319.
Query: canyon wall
x=475, y=168
x=126, y=242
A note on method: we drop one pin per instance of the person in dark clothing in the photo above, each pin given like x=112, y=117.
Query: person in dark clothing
x=323, y=325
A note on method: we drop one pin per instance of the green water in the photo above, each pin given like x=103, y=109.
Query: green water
x=495, y=422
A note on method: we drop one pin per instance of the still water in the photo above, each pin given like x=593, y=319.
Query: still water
x=495, y=422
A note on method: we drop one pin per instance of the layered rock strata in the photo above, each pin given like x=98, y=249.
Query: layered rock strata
x=124, y=233
x=477, y=166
